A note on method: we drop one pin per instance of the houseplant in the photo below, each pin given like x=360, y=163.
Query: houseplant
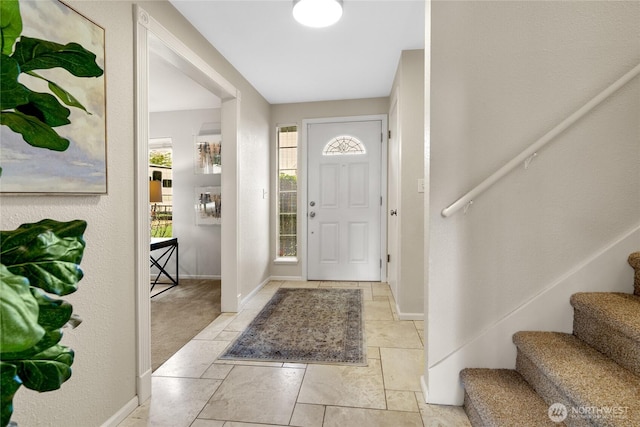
x=35, y=260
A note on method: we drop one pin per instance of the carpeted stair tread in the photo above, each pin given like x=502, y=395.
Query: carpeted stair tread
x=560, y=365
x=610, y=323
x=634, y=262
x=620, y=311
x=501, y=397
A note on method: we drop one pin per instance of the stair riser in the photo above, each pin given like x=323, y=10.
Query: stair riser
x=546, y=389
x=607, y=340
x=471, y=411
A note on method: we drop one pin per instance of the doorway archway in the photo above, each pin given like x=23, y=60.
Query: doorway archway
x=183, y=58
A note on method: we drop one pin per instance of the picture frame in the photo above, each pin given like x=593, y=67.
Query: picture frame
x=208, y=154
x=208, y=205
x=66, y=154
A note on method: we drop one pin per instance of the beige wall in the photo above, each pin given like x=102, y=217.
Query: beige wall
x=502, y=75
x=287, y=114
x=104, y=371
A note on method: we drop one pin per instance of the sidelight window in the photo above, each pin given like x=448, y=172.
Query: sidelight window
x=287, y=243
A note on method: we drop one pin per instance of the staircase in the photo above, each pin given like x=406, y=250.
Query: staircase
x=588, y=378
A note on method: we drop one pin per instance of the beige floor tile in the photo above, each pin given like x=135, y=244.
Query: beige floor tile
x=392, y=334
x=134, y=422
x=215, y=327
x=401, y=401
x=217, y=371
x=340, y=417
x=192, y=360
x=367, y=294
x=258, y=301
x=307, y=415
x=294, y=284
x=402, y=368
x=419, y=324
x=441, y=415
x=272, y=285
x=373, y=352
x=359, y=386
x=207, y=423
x=250, y=363
x=236, y=424
x=242, y=320
x=381, y=289
x=175, y=402
x=377, y=310
x=255, y=394
x=295, y=365
x=227, y=336
x=339, y=285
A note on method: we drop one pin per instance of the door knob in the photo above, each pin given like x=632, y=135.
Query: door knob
x=312, y=203
x=312, y=214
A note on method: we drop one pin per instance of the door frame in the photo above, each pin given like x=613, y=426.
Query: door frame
x=303, y=161
x=397, y=238
x=187, y=61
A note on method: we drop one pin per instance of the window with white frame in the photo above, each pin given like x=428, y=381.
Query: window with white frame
x=287, y=243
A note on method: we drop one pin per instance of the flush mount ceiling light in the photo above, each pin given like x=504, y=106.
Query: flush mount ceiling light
x=317, y=13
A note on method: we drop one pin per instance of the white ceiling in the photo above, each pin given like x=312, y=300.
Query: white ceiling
x=286, y=62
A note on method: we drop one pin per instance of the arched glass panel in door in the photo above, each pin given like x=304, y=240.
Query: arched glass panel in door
x=344, y=145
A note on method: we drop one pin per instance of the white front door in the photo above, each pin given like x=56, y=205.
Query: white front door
x=344, y=199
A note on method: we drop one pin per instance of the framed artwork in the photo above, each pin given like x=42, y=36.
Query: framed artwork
x=208, y=205
x=208, y=154
x=53, y=128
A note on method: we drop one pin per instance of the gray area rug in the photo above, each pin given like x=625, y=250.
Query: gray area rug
x=306, y=326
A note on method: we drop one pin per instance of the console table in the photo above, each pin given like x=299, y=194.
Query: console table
x=170, y=245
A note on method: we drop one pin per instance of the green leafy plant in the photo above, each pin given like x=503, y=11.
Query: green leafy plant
x=36, y=259
x=32, y=114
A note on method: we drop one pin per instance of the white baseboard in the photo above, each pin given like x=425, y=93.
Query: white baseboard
x=408, y=316
x=288, y=278
x=123, y=413
x=255, y=291
x=201, y=276
x=144, y=386
x=425, y=389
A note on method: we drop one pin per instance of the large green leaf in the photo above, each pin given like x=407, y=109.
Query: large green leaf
x=10, y=24
x=9, y=384
x=46, y=108
x=61, y=93
x=18, y=314
x=12, y=93
x=46, y=371
x=49, y=339
x=24, y=234
x=47, y=253
x=33, y=131
x=35, y=54
x=53, y=313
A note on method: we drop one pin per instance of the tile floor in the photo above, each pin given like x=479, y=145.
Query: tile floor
x=195, y=389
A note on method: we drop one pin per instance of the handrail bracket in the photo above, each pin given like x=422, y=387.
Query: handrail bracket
x=529, y=159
